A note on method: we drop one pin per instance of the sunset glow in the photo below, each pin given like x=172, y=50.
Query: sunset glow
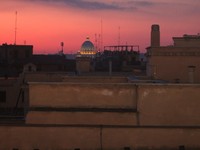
x=46, y=23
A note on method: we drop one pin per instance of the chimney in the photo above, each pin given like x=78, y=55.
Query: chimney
x=155, y=35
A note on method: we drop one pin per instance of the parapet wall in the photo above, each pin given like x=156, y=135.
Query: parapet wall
x=97, y=138
x=82, y=95
x=149, y=104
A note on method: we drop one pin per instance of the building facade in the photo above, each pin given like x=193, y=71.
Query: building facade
x=84, y=58
x=176, y=63
x=13, y=58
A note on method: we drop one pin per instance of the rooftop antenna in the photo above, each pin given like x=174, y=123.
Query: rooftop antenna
x=62, y=45
x=101, y=34
x=15, y=27
x=99, y=43
x=119, y=35
x=96, y=44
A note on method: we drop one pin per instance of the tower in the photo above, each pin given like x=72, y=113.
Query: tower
x=155, y=35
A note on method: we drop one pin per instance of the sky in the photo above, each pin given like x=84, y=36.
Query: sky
x=46, y=23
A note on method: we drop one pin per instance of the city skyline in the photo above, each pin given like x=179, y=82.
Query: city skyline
x=46, y=23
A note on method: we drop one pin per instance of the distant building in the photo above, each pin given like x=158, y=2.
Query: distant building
x=124, y=58
x=87, y=49
x=13, y=58
x=84, y=59
x=49, y=63
x=177, y=63
x=10, y=53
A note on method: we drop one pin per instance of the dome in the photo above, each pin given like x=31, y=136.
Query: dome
x=87, y=45
x=87, y=48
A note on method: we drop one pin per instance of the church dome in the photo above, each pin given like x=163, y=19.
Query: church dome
x=87, y=48
x=87, y=45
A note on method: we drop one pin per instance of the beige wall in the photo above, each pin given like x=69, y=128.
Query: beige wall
x=48, y=138
x=171, y=63
x=82, y=95
x=156, y=104
x=169, y=105
x=95, y=138
x=186, y=41
x=172, y=68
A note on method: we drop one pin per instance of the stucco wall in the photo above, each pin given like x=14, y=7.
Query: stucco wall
x=169, y=105
x=171, y=68
x=96, y=138
x=171, y=63
x=82, y=95
x=150, y=104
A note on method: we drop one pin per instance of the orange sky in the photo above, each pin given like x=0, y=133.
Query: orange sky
x=46, y=23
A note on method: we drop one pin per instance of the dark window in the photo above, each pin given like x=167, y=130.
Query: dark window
x=77, y=149
x=127, y=148
x=15, y=54
x=2, y=96
x=181, y=147
x=15, y=149
x=29, y=68
x=27, y=53
x=22, y=96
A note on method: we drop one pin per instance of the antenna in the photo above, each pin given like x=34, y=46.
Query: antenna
x=99, y=45
x=96, y=44
x=62, y=45
x=15, y=28
x=101, y=34
x=119, y=36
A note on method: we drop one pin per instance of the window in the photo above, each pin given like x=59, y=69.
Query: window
x=181, y=147
x=127, y=148
x=16, y=53
x=22, y=96
x=2, y=96
x=30, y=68
x=27, y=53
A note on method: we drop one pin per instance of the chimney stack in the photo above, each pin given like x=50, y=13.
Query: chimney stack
x=155, y=35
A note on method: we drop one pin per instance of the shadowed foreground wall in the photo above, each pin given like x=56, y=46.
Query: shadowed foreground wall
x=91, y=138
x=110, y=116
